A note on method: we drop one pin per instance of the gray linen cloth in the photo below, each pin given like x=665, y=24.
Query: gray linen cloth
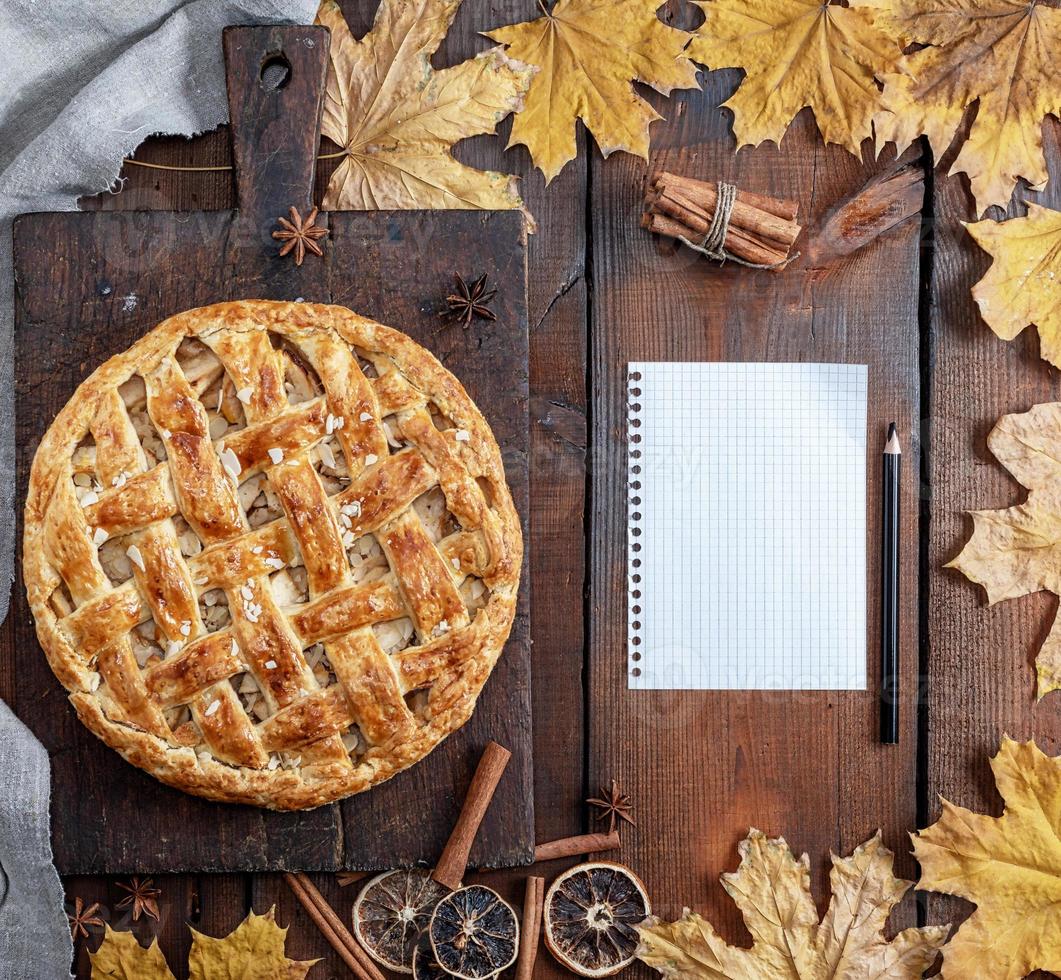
x=86, y=82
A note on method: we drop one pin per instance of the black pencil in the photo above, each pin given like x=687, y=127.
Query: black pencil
x=889, y=589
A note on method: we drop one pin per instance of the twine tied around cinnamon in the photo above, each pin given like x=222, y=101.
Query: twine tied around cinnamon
x=713, y=243
x=722, y=221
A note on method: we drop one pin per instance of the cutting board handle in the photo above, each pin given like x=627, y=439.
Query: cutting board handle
x=275, y=77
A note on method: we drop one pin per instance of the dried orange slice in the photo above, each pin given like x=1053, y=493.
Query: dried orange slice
x=590, y=917
x=392, y=912
x=425, y=966
x=474, y=933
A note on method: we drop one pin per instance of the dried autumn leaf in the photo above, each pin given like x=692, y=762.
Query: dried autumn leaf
x=1017, y=551
x=254, y=950
x=1009, y=866
x=772, y=890
x=590, y=52
x=797, y=53
x=397, y=118
x=1003, y=53
x=121, y=957
x=1023, y=285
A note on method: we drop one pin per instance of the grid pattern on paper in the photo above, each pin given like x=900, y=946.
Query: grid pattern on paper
x=747, y=526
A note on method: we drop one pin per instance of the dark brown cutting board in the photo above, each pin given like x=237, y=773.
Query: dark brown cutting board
x=89, y=284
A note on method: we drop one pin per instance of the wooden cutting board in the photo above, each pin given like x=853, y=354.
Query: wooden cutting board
x=89, y=284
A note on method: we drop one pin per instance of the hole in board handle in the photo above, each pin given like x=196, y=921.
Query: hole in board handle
x=275, y=72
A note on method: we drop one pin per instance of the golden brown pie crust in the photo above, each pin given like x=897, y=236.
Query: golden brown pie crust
x=295, y=757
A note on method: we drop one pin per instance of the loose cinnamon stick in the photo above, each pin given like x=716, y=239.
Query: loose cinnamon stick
x=736, y=243
x=702, y=196
x=582, y=844
x=530, y=927
x=454, y=861
x=332, y=928
x=786, y=210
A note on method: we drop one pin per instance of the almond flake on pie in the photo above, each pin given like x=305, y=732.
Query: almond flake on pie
x=326, y=455
x=230, y=461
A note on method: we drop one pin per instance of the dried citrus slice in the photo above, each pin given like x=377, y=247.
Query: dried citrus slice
x=590, y=916
x=474, y=933
x=425, y=966
x=391, y=913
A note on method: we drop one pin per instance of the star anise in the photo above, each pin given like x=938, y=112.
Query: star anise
x=142, y=897
x=613, y=803
x=83, y=918
x=470, y=301
x=299, y=235
x=345, y=878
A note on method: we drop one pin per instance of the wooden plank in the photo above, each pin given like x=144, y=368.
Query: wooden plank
x=704, y=766
x=557, y=302
x=124, y=272
x=980, y=660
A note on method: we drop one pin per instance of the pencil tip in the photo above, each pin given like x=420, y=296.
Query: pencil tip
x=892, y=445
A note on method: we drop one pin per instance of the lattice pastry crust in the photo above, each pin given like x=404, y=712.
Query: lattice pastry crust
x=271, y=552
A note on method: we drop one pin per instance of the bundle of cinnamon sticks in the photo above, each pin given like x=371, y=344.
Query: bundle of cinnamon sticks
x=761, y=229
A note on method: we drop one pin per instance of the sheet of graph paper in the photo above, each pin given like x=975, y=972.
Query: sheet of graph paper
x=747, y=526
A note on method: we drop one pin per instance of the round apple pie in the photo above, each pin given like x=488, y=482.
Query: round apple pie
x=271, y=552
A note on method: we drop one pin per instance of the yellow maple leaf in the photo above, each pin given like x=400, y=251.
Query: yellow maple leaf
x=772, y=890
x=397, y=118
x=121, y=957
x=797, y=53
x=1004, y=53
x=1023, y=285
x=254, y=950
x=590, y=52
x=1009, y=866
x=1017, y=551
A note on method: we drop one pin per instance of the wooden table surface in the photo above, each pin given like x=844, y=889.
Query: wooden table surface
x=704, y=766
